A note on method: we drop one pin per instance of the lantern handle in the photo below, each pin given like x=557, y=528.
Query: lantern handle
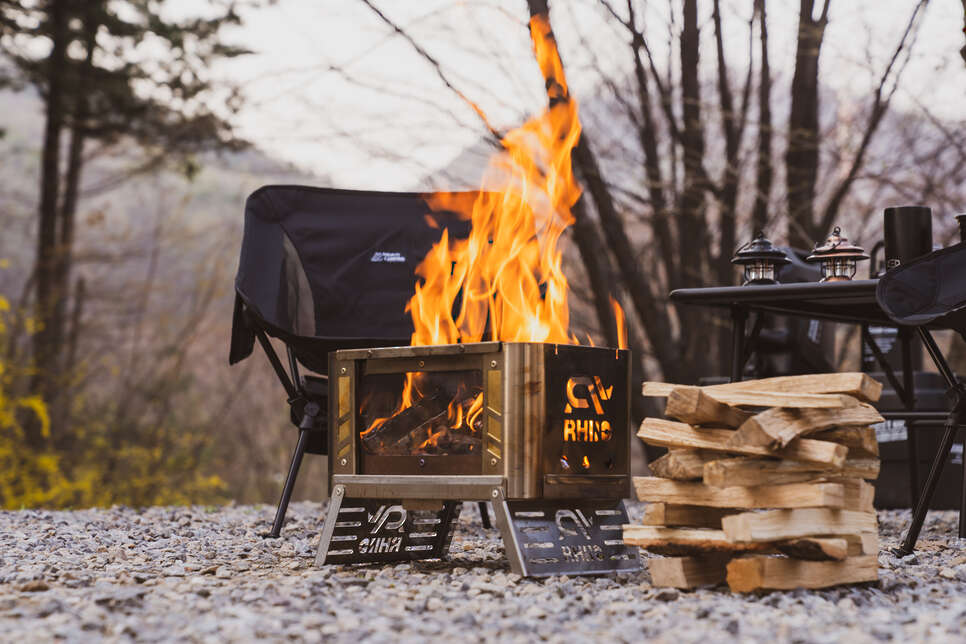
x=759, y=234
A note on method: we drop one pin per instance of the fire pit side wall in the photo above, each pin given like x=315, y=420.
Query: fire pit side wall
x=524, y=419
x=541, y=434
x=586, y=432
x=342, y=416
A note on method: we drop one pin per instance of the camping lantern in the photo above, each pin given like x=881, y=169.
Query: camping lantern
x=761, y=260
x=838, y=257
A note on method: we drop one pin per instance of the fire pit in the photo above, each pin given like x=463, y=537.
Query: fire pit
x=530, y=421
x=539, y=430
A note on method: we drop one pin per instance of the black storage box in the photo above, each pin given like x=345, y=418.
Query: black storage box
x=892, y=487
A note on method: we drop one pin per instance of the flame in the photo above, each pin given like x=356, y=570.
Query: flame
x=432, y=441
x=406, y=401
x=508, y=274
x=506, y=280
x=455, y=414
x=621, y=324
x=475, y=410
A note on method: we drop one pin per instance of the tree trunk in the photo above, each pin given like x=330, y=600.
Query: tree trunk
x=729, y=186
x=647, y=135
x=692, y=238
x=962, y=52
x=596, y=258
x=649, y=312
x=801, y=158
x=727, y=201
x=594, y=255
x=75, y=161
x=693, y=230
x=44, y=342
x=764, y=171
x=592, y=250
x=65, y=441
x=67, y=213
x=645, y=305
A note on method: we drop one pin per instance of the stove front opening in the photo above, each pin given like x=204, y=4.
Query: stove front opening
x=421, y=422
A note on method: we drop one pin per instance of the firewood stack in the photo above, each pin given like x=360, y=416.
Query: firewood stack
x=742, y=496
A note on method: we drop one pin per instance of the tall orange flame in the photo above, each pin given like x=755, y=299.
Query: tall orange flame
x=506, y=280
x=508, y=272
x=621, y=324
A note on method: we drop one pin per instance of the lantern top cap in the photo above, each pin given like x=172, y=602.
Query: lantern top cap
x=837, y=245
x=760, y=249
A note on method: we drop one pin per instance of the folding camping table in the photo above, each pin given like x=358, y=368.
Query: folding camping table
x=851, y=302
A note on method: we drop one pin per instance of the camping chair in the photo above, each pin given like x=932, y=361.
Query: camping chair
x=931, y=292
x=323, y=270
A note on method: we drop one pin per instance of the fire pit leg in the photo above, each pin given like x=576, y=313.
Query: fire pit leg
x=554, y=537
x=484, y=515
x=383, y=531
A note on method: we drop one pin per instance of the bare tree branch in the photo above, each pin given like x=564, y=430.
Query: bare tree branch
x=666, y=95
x=437, y=67
x=880, y=105
x=647, y=134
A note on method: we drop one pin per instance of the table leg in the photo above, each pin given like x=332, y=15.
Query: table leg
x=922, y=505
x=908, y=384
x=956, y=419
x=739, y=316
x=962, y=499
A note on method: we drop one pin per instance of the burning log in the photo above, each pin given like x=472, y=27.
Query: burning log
x=449, y=441
x=383, y=437
x=431, y=426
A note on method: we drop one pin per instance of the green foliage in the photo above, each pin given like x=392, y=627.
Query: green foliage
x=131, y=73
x=136, y=81
x=143, y=461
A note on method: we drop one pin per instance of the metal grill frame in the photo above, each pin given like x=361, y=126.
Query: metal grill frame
x=516, y=421
x=515, y=418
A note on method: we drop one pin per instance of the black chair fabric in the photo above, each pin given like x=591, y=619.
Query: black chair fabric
x=927, y=289
x=325, y=269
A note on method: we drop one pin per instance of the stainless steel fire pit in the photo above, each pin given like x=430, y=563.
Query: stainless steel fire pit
x=538, y=430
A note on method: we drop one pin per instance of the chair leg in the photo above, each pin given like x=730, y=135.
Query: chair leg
x=912, y=451
x=919, y=513
x=293, y=472
x=909, y=402
x=484, y=515
x=962, y=499
x=739, y=317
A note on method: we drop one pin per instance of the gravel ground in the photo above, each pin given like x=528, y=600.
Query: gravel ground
x=203, y=574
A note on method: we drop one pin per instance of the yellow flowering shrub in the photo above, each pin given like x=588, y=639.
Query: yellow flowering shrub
x=152, y=462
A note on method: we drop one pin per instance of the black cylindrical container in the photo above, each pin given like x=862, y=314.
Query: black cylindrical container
x=962, y=226
x=908, y=234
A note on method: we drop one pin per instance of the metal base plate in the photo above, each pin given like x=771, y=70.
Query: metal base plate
x=542, y=537
x=573, y=537
x=383, y=531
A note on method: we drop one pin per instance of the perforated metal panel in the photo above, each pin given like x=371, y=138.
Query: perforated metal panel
x=556, y=537
x=383, y=530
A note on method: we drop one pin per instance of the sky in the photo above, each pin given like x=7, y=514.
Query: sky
x=334, y=91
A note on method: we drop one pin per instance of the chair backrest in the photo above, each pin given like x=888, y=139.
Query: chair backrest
x=927, y=289
x=327, y=269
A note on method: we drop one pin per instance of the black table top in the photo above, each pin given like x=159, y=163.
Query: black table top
x=853, y=302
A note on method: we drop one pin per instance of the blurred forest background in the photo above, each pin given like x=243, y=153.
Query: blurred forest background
x=131, y=132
